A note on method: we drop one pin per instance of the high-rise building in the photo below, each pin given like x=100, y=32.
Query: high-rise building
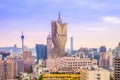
x=27, y=56
x=117, y=68
x=49, y=46
x=28, y=61
x=106, y=60
x=85, y=50
x=22, y=37
x=14, y=50
x=41, y=51
x=97, y=57
x=71, y=44
x=19, y=63
x=117, y=63
x=8, y=69
x=4, y=54
x=59, y=37
x=102, y=49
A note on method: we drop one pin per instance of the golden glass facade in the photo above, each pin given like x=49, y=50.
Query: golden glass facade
x=59, y=37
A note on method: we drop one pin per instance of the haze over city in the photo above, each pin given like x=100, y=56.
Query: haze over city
x=92, y=23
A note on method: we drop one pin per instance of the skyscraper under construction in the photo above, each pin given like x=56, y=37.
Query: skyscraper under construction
x=59, y=37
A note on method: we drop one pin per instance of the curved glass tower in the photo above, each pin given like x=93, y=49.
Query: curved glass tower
x=59, y=37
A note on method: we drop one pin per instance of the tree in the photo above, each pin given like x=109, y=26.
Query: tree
x=111, y=78
x=41, y=77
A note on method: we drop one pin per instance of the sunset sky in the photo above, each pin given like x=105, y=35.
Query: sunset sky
x=92, y=23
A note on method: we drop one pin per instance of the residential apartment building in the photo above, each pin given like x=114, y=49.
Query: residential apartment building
x=8, y=69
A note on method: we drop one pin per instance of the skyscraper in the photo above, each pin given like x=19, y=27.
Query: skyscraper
x=14, y=50
x=27, y=56
x=41, y=51
x=117, y=63
x=4, y=54
x=8, y=70
x=102, y=49
x=106, y=60
x=22, y=37
x=71, y=44
x=19, y=66
x=59, y=37
x=49, y=46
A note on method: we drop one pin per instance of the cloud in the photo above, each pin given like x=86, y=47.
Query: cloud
x=82, y=17
x=94, y=29
x=111, y=19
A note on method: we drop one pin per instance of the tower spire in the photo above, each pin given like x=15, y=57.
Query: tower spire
x=59, y=17
x=22, y=38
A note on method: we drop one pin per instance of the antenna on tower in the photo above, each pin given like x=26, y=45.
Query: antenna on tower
x=59, y=17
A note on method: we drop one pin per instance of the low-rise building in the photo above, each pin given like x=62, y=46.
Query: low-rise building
x=69, y=64
x=94, y=74
x=39, y=68
x=61, y=76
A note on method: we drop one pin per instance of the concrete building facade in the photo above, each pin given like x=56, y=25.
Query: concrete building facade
x=117, y=63
x=27, y=56
x=8, y=69
x=94, y=74
x=49, y=46
x=69, y=64
x=106, y=60
x=19, y=62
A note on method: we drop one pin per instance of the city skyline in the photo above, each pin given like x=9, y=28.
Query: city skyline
x=92, y=23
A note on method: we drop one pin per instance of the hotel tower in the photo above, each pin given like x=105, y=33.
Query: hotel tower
x=59, y=37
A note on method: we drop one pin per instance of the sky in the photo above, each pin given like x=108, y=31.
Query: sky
x=92, y=23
